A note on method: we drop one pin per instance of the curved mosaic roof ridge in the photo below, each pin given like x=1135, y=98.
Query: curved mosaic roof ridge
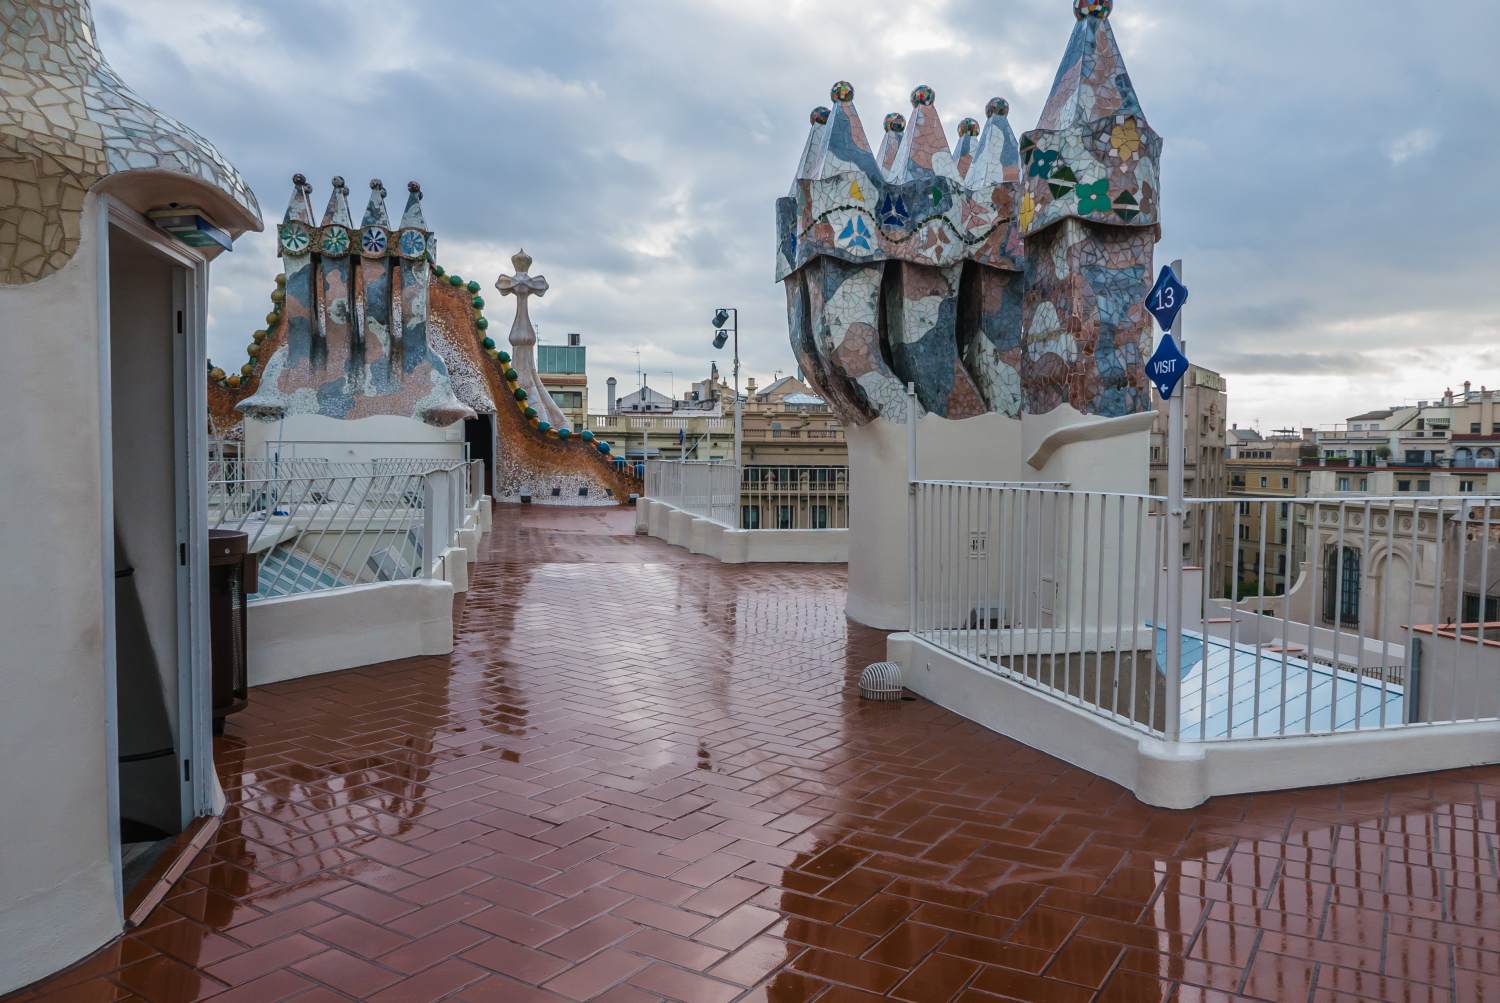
x=67, y=121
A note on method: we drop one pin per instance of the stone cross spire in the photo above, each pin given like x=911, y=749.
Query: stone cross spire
x=522, y=285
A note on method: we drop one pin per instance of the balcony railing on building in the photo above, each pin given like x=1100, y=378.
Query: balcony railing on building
x=1391, y=619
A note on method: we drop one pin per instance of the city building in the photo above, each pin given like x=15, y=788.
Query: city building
x=563, y=370
x=1205, y=397
x=784, y=423
x=1263, y=467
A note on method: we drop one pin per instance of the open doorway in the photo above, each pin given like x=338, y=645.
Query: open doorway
x=153, y=446
x=479, y=440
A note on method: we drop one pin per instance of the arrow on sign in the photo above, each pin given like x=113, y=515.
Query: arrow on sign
x=1166, y=298
x=1167, y=366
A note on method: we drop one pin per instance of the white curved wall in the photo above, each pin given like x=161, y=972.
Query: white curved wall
x=57, y=885
x=990, y=447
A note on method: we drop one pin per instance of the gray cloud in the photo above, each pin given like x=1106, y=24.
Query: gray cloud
x=1326, y=171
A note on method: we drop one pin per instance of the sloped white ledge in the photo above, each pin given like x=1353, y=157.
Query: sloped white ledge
x=1181, y=774
x=740, y=546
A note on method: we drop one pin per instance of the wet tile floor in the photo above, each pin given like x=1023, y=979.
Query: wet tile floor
x=643, y=776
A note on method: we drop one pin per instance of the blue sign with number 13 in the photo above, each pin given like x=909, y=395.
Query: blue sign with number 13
x=1166, y=298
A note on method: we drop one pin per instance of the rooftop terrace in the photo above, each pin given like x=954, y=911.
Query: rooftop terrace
x=644, y=775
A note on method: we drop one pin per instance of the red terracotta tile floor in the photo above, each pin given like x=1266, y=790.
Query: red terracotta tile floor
x=645, y=776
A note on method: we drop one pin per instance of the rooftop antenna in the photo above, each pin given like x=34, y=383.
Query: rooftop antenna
x=640, y=379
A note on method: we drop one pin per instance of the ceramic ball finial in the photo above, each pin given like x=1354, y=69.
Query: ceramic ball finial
x=1092, y=8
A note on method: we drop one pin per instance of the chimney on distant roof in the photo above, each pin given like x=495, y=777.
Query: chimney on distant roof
x=610, y=383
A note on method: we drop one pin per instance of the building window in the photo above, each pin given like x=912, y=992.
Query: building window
x=1403, y=485
x=1364, y=484
x=785, y=517
x=1262, y=482
x=1424, y=485
x=820, y=517
x=1286, y=482
x=1471, y=608
x=1495, y=428
x=1466, y=487
x=1474, y=427
x=749, y=516
x=1341, y=586
x=1343, y=484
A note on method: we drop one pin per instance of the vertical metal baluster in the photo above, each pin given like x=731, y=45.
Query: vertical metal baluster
x=1055, y=501
x=1083, y=603
x=1207, y=523
x=1260, y=612
x=1099, y=608
x=1458, y=599
x=1286, y=588
x=1119, y=593
x=1037, y=500
x=1484, y=591
x=1385, y=600
x=1234, y=613
x=992, y=549
x=1315, y=548
x=1338, y=621
x=1135, y=611
x=1158, y=567
x=1064, y=589
x=1359, y=635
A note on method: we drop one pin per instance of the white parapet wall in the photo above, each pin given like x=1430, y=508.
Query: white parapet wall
x=316, y=632
x=1181, y=774
x=740, y=546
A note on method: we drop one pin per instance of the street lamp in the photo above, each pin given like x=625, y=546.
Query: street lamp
x=721, y=335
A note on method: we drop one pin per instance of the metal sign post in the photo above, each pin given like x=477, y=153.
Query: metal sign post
x=911, y=506
x=1167, y=367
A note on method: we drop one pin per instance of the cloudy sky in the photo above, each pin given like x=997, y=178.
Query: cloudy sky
x=1323, y=172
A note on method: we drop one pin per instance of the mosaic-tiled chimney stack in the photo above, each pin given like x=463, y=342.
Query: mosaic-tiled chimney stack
x=989, y=312
x=354, y=339
x=995, y=277
x=1089, y=221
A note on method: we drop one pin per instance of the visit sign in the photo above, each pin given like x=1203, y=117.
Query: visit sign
x=1167, y=366
x=1166, y=298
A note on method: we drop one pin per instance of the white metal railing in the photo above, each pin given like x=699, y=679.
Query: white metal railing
x=319, y=525
x=1305, y=616
x=708, y=489
x=758, y=496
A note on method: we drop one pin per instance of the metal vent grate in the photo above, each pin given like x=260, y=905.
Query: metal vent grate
x=880, y=681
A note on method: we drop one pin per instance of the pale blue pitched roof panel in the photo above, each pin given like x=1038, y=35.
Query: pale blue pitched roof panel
x=1348, y=695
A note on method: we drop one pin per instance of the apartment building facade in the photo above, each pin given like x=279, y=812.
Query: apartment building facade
x=1205, y=396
